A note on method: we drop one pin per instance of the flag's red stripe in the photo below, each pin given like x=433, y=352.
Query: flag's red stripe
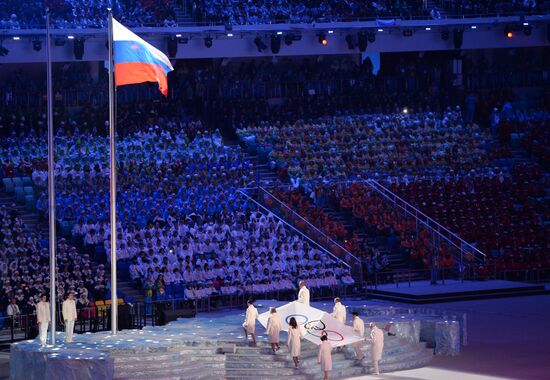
x=139, y=72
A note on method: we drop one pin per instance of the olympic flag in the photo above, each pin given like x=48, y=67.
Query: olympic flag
x=302, y=313
x=338, y=334
x=314, y=323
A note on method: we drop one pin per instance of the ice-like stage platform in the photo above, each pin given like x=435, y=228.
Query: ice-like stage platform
x=212, y=346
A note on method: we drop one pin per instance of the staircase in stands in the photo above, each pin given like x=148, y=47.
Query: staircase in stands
x=31, y=219
x=183, y=14
x=265, y=175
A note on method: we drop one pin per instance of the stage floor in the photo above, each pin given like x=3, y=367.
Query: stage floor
x=454, y=290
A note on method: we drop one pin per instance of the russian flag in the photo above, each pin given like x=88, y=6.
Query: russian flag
x=137, y=61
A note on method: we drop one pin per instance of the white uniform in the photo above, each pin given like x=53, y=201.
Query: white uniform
x=43, y=319
x=377, y=337
x=325, y=356
x=250, y=319
x=69, y=316
x=274, y=325
x=359, y=328
x=339, y=312
x=303, y=296
x=294, y=341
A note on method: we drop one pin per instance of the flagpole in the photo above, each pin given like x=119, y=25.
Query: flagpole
x=51, y=183
x=112, y=184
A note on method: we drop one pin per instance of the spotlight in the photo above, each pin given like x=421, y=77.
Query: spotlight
x=371, y=36
x=275, y=44
x=445, y=35
x=3, y=51
x=70, y=37
x=208, y=42
x=172, y=47
x=473, y=27
x=37, y=45
x=289, y=38
x=349, y=41
x=428, y=28
x=457, y=38
x=362, y=41
x=508, y=31
x=259, y=44
x=527, y=29
x=380, y=30
x=330, y=31
x=405, y=110
x=229, y=34
x=322, y=39
x=407, y=33
x=16, y=38
x=78, y=48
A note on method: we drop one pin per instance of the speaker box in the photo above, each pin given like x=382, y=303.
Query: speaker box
x=166, y=316
x=124, y=319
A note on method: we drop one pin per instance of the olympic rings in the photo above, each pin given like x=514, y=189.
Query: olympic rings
x=287, y=319
x=339, y=337
x=312, y=325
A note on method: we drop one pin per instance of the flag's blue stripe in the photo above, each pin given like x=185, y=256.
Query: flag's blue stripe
x=134, y=51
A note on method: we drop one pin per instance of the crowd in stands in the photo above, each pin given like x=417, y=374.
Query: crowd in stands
x=179, y=212
x=309, y=207
x=368, y=208
x=84, y=14
x=536, y=137
x=184, y=230
x=233, y=254
x=265, y=12
x=92, y=13
x=503, y=213
x=25, y=273
x=341, y=148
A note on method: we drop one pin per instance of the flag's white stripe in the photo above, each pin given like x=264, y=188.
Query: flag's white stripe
x=121, y=33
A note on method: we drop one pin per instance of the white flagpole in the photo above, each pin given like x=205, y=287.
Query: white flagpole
x=112, y=185
x=51, y=183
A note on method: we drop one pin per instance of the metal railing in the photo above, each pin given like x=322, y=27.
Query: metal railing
x=441, y=231
x=325, y=243
x=409, y=15
x=248, y=89
x=151, y=312
x=298, y=223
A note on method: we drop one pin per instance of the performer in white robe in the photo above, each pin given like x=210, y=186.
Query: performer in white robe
x=377, y=338
x=69, y=316
x=359, y=328
x=43, y=318
x=325, y=356
x=294, y=341
x=250, y=322
x=274, y=325
x=303, y=294
x=339, y=311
